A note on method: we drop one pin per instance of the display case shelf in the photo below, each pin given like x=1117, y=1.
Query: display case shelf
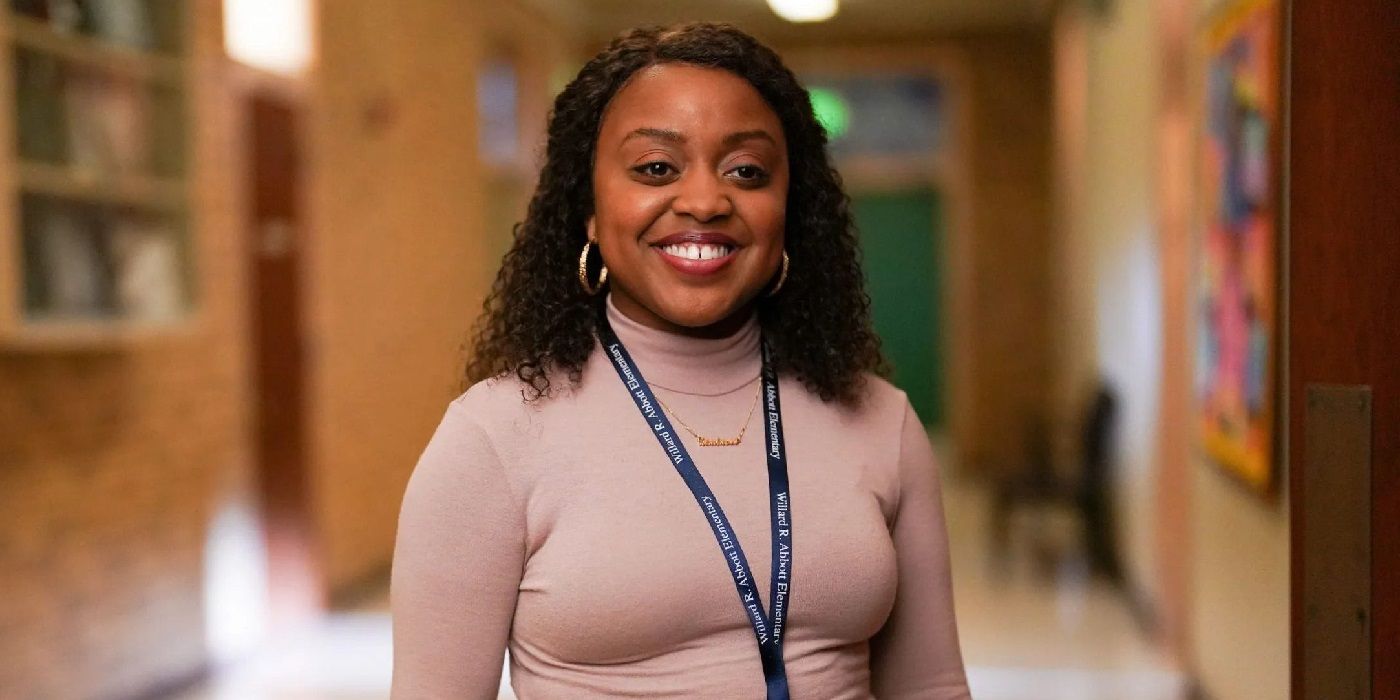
x=134, y=191
x=95, y=242
x=94, y=53
x=42, y=334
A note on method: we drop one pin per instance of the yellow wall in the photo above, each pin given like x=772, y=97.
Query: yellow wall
x=1110, y=286
x=401, y=255
x=396, y=273
x=1239, y=570
x=1239, y=617
x=1120, y=310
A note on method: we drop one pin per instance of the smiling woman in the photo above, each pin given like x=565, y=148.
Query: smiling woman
x=687, y=177
x=690, y=185
x=539, y=324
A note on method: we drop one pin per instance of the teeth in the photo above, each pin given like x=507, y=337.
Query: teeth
x=693, y=251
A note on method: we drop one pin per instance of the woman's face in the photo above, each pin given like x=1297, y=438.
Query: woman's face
x=690, y=188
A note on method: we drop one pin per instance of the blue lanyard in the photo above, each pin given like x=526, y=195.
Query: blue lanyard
x=768, y=630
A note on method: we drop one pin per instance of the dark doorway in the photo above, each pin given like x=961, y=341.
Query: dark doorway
x=279, y=397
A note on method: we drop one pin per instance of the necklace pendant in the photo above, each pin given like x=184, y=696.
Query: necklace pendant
x=718, y=442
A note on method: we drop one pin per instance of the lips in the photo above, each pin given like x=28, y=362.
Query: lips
x=696, y=252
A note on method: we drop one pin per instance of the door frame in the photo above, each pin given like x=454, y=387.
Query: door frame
x=296, y=579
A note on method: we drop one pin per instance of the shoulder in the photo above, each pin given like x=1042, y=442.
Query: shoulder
x=504, y=393
x=473, y=449
x=873, y=422
x=886, y=411
x=460, y=482
x=881, y=401
x=497, y=407
x=877, y=403
x=510, y=414
x=507, y=395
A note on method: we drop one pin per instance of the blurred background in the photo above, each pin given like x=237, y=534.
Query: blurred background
x=245, y=240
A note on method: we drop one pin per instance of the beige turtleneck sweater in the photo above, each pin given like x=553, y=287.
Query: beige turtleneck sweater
x=557, y=529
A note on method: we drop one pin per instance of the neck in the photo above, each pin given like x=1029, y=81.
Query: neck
x=713, y=359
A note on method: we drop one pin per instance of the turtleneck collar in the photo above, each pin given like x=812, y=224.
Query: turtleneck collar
x=704, y=366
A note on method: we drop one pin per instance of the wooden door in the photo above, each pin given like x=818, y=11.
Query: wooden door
x=1344, y=347
x=296, y=588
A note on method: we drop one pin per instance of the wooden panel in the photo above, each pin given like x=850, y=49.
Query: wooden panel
x=1344, y=238
x=1337, y=542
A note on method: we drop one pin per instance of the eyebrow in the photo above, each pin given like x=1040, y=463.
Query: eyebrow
x=672, y=136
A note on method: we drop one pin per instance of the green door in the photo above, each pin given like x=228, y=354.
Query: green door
x=900, y=233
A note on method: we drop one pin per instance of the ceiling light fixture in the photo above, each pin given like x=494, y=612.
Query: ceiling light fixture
x=804, y=10
x=272, y=35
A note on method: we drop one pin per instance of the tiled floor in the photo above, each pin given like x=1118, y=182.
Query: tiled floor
x=345, y=658
x=1025, y=636
x=1029, y=634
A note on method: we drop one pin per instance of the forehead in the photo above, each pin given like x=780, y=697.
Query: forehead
x=698, y=102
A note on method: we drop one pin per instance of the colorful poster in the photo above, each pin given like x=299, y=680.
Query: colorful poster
x=1239, y=190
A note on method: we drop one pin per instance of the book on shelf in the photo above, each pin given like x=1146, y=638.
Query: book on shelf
x=40, y=117
x=146, y=269
x=72, y=272
x=122, y=22
x=108, y=124
x=125, y=22
x=85, y=262
x=38, y=9
x=68, y=16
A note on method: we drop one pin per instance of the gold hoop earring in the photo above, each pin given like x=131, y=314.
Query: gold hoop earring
x=782, y=276
x=591, y=290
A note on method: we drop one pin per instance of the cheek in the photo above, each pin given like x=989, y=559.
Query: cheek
x=625, y=212
x=765, y=214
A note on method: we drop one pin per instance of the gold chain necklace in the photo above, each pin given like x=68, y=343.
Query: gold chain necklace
x=717, y=442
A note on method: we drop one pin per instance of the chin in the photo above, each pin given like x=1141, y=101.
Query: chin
x=699, y=308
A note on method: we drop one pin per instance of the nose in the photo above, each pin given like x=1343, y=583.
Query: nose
x=702, y=196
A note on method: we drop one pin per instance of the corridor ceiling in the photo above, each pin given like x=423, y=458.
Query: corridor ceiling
x=857, y=21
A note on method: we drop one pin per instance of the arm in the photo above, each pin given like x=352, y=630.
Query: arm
x=916, y=654
x=457, y=567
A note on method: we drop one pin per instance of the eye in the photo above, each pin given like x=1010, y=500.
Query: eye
x=749, y=174
x=657, y=169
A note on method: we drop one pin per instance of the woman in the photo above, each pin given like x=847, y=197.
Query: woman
x=687, y=262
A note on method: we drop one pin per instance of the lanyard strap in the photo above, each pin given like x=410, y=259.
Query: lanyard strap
x=768, y=630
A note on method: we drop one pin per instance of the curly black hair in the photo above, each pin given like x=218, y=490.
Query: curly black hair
x=538, y=322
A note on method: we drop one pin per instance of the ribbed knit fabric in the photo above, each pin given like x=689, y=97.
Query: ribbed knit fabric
x=558, y=529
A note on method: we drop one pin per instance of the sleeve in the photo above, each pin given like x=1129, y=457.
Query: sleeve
x=916, y=653
x=457, y=565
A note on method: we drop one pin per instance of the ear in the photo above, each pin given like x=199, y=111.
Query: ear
x=592, y=229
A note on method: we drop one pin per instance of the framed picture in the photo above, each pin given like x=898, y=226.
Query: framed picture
x=1238, y=192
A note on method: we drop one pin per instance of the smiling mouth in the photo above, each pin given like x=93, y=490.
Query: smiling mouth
x=697, y=251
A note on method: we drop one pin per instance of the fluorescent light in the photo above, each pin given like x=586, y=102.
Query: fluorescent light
x=274, y=35
x=804, y=10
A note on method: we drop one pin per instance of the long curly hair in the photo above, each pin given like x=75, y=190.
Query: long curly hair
x=540, y=325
